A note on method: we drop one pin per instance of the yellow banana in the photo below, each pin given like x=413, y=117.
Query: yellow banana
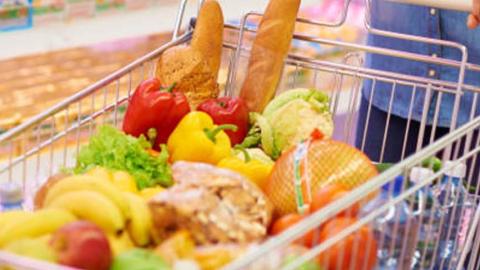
x=41, y=222
x=101, y=173
x=141, y=222
x=12, y=216
x=89, y=183
x=91, y=206
x=124, y=181
x=120, y=243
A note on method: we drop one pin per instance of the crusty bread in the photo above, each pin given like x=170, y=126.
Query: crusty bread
x=208, y=35
x=269, y=49
x=187, y=68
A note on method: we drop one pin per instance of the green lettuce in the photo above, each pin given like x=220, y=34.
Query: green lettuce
x=112, y=149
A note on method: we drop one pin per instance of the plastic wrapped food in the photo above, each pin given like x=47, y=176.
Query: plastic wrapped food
x=312, y=165
x=214, y=205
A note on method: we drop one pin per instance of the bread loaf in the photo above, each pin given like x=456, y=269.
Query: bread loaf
x=269, y=49
x=189, y=71
x=208, y=34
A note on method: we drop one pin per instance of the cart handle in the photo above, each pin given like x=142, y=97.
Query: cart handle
x=460, y=5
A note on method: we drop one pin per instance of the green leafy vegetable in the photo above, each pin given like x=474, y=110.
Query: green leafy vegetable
x=112, y=149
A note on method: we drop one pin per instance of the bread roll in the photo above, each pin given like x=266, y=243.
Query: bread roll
x=208, y=34
x=187, y=68
x=269, y=49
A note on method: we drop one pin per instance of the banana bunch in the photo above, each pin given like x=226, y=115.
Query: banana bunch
x=18, y=224
x=106, y=199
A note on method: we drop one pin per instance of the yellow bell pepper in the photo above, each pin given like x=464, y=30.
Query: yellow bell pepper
x=197, y=139
x=256, y=170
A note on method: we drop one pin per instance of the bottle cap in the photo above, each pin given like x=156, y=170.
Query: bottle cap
x=10, y=193
x=396, y=184
x=458, y=171
x=418, y=174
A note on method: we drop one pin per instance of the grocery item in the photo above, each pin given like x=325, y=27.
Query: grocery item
x=269, y=49
x=83, y=245
x=196, y=138
x=91, y=206
x=140, y=223
x=7, y=217
x=112, y=149
x=33, y=225
x=313, y=165
x=356, y=251
x=291, y=117
x=227, y=110
x=217, y=256
x=256, y=170
x=288, y=220
x=178, y=246
x=329, y=194
x=428, y=218
x=208, y=35
x=214, y=205
x=261, y=134
x=255, y=154
x=120, y=243
x=88, y=183
x=395, y=229
x=138, y=259
x=457, y=208
x=124, y=181
x=11, y=196
x=297, y=114
x=187, y=68
x=148, y=193
x=45, y=187
x=33, y=248
x=154, y=112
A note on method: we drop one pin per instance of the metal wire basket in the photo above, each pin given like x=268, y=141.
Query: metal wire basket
x=40, y=147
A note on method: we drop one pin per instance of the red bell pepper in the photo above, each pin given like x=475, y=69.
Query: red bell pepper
x=154, y=112
x=227, y=110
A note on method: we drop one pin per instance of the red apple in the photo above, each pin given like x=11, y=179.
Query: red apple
x=82, y=244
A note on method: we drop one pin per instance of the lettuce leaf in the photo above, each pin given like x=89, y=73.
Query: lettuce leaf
x=112, y=149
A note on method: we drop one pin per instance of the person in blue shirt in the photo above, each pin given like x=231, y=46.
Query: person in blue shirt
x=378, y=98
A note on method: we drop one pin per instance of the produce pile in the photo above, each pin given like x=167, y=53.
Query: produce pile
x=194, y=180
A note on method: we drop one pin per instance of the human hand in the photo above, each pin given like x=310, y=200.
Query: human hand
x=474, y=18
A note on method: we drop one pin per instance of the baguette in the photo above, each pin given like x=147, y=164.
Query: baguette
x=269, y=49
x=208, y=35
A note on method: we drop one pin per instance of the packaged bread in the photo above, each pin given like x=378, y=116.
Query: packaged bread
x=214, y=205
x=269, y=49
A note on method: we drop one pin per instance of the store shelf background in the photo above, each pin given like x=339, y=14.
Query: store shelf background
x=41, y=66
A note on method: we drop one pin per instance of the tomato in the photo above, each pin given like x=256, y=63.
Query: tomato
x=331, y=193
x=356, y=251
x=289, y=220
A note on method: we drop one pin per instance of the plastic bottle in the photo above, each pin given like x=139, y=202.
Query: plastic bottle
x=11, y=196
x=395, y=230
x=428, y=217
x=457, y=209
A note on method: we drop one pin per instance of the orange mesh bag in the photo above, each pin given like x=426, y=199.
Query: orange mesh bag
x=311, y=165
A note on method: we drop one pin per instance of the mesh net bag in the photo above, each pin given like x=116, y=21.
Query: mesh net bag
x=311, y=165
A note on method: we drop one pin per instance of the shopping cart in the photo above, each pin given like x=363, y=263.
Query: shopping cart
x=49, y=141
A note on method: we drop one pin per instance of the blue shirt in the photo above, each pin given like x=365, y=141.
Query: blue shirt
x=422, y=21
